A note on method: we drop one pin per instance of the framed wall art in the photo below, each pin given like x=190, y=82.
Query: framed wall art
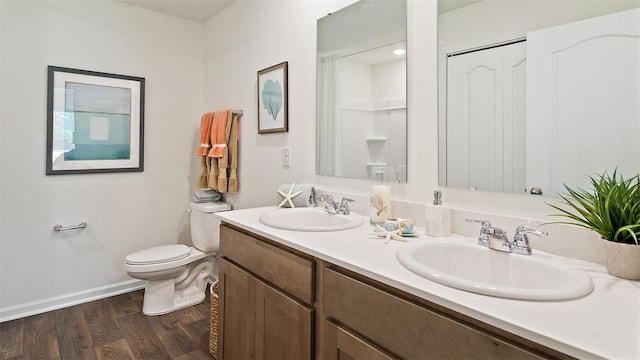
x=95, y=122
x=272, y=99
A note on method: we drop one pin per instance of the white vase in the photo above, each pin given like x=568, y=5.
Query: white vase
x=622, y=260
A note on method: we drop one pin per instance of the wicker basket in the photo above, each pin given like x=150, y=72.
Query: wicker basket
x=213, y=333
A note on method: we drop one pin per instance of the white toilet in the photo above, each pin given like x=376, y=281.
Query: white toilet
x=177, y=275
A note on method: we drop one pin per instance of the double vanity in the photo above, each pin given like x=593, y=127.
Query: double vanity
x=300, y=283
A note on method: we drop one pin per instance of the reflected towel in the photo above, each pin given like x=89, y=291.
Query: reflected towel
x=307, y=197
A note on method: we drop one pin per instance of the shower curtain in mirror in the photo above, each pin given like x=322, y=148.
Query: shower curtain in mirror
x=328, y=135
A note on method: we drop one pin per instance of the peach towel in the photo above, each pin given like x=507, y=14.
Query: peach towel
x=203, y=149
x=233, y=154
x=218, y=132
x=205, y=133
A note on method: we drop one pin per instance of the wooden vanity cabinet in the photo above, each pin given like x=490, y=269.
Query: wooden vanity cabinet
x=265, y=300
x=274, y=305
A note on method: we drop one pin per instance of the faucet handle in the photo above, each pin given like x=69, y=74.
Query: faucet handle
x=483, y=238
x=521, y=241
x=329, y=205
x=523, y=230
x=344, y=206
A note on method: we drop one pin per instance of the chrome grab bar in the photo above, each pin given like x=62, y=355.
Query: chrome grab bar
x=59, y=227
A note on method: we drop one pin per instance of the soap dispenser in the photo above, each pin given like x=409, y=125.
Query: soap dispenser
x=437, y=216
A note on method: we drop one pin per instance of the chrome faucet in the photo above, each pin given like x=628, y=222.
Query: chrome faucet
x=333, y=207
x=519, y=245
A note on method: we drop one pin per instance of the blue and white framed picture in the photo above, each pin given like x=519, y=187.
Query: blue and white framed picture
x=95, y=122
x=272, y=99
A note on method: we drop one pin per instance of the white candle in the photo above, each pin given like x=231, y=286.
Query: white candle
x=380, y=203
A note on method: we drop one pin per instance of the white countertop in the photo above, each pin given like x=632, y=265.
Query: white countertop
x=603, y=324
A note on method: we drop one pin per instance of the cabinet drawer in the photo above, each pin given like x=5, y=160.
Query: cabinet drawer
x=405, y=329
x=289, y=272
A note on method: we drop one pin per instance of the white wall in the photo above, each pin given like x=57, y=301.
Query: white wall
x=390, y=91
x=356, y=81
x=494, y=21
x=367, y=91
x=356, y=84
x=125, y=212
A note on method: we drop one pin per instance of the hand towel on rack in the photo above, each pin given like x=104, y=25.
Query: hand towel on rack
x=307, y=197
x=223, y=162
x=218, y=147
x=233, y=154
x=203, y=149
x=205, y=134
x=218, y=133
x=212, y=164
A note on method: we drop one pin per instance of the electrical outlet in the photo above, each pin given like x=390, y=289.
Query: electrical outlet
x=286, y=156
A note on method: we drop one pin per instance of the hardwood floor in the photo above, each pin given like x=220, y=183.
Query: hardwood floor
x=112, y=328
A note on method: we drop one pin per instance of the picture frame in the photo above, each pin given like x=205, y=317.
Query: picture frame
x=273, y=99
x=95, y=122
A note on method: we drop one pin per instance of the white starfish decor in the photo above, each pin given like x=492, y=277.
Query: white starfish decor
x=288, y=196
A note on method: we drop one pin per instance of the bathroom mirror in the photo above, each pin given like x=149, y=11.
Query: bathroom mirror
x=537, y=94
x=361, y=84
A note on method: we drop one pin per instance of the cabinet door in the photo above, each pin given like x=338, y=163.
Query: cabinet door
x=235, y=323
x=258, y=321
x=340, y=344
x=282, y=325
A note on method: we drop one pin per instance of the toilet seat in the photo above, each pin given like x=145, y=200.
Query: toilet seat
x=158, y=255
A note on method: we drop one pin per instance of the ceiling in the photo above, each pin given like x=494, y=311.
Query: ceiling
x=203, y=10
x=196, y=10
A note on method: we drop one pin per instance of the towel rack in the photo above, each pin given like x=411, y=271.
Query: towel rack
x=237, y=112
x=59, y=227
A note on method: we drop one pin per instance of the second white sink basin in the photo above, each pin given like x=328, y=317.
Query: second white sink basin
x=471, y=267
x=309, y=219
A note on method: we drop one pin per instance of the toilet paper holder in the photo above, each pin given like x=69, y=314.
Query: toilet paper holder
x=59, y=227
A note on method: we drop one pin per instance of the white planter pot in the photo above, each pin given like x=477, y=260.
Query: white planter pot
x=622, y=260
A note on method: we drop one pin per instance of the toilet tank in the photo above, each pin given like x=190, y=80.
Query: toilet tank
x=205, y=227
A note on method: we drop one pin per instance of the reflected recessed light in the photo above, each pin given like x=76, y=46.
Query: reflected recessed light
x=398, y=51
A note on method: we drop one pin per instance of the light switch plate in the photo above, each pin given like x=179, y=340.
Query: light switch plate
x=286, y=156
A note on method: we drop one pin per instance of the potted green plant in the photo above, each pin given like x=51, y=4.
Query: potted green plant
x=611, y=209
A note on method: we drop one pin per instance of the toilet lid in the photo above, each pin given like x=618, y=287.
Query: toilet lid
x=158, y=254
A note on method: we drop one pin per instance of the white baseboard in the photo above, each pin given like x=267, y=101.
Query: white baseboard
x=62, y=301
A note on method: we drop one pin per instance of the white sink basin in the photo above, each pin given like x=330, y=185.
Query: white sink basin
x=309, y=219
x=471, y=267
